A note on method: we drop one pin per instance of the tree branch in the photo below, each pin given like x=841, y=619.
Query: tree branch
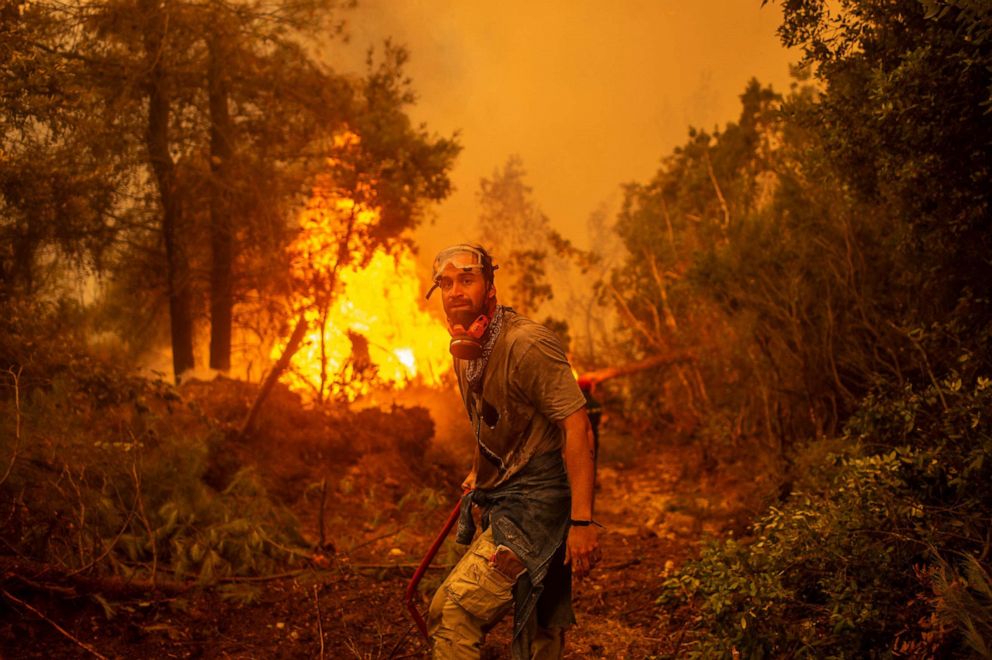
x=600, y=375
x=634, y=320
x=320, y=624
x=81, y=644
x=17, y=421
x=719, y=192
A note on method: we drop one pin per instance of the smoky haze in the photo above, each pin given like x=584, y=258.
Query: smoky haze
x=590, y=94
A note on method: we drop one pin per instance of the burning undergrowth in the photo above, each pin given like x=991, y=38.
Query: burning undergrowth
x=296, y=444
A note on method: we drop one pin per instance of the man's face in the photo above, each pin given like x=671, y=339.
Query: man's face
x=464, y=294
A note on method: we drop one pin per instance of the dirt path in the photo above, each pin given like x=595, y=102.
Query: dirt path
x=351, y=606
x=653, y=521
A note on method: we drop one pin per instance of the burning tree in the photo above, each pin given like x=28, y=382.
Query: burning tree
x=359, y=306
x=381, y=174
x=333, y=234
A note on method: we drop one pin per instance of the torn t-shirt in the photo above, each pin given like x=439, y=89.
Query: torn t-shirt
x=527, y=388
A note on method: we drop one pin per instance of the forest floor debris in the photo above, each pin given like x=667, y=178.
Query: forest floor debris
x=379, y=518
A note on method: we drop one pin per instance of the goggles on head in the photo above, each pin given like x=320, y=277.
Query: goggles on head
x=464, y=257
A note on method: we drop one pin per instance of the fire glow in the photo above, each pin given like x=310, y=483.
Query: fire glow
x=371, y=332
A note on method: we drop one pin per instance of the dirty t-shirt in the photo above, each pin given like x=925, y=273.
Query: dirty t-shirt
x=527, y=388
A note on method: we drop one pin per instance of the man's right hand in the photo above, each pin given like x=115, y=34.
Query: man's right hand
x=582, y=549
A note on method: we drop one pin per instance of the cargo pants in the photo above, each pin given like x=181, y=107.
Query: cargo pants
x=471, y=600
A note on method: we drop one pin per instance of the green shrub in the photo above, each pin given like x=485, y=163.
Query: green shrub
x=885, y=548
x=103, y=472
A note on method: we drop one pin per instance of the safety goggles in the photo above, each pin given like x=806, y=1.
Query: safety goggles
x=464, y=257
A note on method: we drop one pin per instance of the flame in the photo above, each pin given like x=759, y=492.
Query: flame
x=374, y=333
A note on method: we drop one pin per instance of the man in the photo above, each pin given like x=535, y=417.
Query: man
x=532, y=477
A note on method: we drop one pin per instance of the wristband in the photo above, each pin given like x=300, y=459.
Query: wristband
x=583, y=523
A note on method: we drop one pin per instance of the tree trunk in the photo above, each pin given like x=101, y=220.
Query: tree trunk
x=299, y=332
x=157, y=142
x=221, y=225
x=270, y=380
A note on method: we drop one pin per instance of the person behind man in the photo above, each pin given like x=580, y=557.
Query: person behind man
x=532, y=476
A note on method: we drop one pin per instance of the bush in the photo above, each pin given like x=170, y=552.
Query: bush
x=103, y=472
x=884, y=549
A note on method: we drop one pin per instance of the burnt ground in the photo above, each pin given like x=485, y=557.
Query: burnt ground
x=380, y=515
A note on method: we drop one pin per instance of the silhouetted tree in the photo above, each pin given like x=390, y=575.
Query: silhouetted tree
x=515, y=229
x=210, y=120
x=905, y=121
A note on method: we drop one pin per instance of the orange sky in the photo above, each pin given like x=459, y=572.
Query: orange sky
x=591, y=94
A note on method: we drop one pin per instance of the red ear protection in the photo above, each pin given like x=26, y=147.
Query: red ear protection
x=465, y=342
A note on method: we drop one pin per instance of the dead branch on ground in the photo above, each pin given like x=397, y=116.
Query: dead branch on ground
x=320, y=624
x=81, y=644
x=376, y=538
x=432, y=567
x=58, y=580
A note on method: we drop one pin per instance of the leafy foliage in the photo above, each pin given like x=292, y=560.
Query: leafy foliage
x=170, y=144
x=906, y=106
x=105, y=473
x=511, y=224
x=803, y=247
x=830, y=251
x=738, y=257
x=885, y=546
x=58, y=188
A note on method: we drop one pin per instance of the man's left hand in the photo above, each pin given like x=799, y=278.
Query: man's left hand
x=582, y=549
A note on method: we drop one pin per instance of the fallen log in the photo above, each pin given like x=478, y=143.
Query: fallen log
x=62, y=631
x=55, y=579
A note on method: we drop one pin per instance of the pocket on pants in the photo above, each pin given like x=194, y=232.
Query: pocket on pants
x=481, y=590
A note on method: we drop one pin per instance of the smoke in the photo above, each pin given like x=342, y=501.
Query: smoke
x=590, y=94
